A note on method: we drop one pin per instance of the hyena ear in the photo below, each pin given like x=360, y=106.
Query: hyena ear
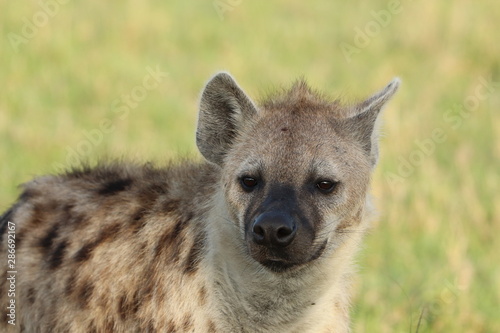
x=224, y=108
x=362, y=126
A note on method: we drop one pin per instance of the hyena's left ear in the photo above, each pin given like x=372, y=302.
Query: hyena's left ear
x=362, y=126
x=224, y=108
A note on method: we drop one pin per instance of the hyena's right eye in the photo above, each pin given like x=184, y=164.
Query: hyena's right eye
x=326, y=186
x=248, y=183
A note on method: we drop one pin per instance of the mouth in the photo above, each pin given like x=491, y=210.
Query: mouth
x=280, y=265
x=277, y=266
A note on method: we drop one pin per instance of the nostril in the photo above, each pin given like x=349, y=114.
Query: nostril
x=258, y=230
x=283, y=232
x=284, y=235
x=259, y=233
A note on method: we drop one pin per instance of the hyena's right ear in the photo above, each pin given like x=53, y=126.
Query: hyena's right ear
x=224, y=108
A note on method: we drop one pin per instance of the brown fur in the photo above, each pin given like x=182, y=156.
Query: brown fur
x=135, y=248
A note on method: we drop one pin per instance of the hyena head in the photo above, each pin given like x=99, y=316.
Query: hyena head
x=295, y=170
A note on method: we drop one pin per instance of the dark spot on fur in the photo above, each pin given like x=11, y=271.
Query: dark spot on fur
x=146, y=201
x=92, y=328
x=151, y=328
x=148, y=195
x=174, y=251
x=138, y=222
x=145, y=292
x=187, y=323
x=170, y=240
x=77, y=220
x=66, y=328
x=38, y=215
x=26, y=195
x=108, y=232
x=31, y=296
x=139, y=214
x=127, y=308
x=202, y=296
x=179, y=226
x=4, y=221
x=52, y=205
x=195, y=254
x=157, y=188
x=171, y=206
x=115, y=186
x=136, y=303
x=171, y=327
x=85, y=293
x=70, y=285
x=47, y=241
x=109, y=325
x=19, y=238
x=55, y=258
x=67, y=211
x=123, y=307
x=211, y=327
x=189, y=216
x=284, y=129
x=86, y=250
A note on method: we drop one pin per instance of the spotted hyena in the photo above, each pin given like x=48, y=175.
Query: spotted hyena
x=258, y=238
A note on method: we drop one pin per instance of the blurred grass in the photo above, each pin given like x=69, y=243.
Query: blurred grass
x=432, y=253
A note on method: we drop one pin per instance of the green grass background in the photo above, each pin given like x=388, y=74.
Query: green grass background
x=432, y=254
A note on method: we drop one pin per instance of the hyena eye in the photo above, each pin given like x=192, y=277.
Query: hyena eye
x=248, y=183
x=326, y=186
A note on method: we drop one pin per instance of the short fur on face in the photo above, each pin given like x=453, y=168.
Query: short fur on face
x=289, y=145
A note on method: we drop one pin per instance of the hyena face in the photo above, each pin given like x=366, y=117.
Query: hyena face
x=295, y=170
x=289, y=184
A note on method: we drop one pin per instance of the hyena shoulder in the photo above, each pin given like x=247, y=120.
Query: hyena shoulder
x=131, y=190
x=93, y=237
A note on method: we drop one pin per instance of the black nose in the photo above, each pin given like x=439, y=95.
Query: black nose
x=274, y=229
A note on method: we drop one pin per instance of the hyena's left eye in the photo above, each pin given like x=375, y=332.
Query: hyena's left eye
x=249, y=183
x=326, y=186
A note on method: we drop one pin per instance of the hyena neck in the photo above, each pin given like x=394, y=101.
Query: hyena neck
x=249, y=295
